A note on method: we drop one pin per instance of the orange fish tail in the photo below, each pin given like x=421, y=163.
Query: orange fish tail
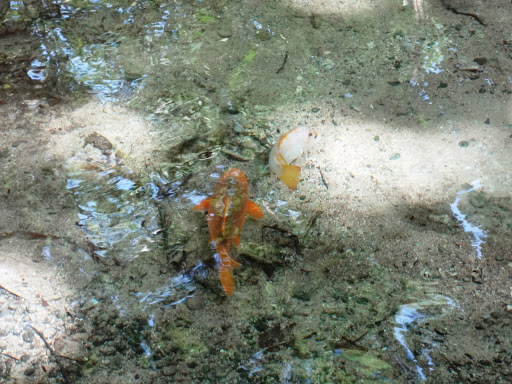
x=227, y=280
x=290, y=175
x=226, y=270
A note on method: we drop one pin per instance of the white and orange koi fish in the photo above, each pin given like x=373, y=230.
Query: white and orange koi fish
x=288, y=149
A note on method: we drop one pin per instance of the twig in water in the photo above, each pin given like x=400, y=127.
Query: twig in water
x=457, y=12
x=9, y=356
x=323, y=178
x=11, y=292
x=284, y=62
x=54, y=354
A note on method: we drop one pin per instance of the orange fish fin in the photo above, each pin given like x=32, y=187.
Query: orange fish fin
x=227, y=280
x=290, y=175
x=233, y=263
x=254, y=211
x=237, y=240
x=203, y=205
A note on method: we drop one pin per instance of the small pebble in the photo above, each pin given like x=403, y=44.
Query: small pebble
x=463, y=144
x=396, y=156
x=195, y=303
x=263, y=34
x=169, y=371
x=477, y=201
x=31, y=308
x=224, y=31
x=28, y=336
x=480, y=60
x=29, y=371
x=442, y=219
x=238, y=128
x=488, y=121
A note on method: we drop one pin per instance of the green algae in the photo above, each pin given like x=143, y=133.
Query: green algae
x=188, y=342
x=370, y=363
x=205, y=16
x=236, y=80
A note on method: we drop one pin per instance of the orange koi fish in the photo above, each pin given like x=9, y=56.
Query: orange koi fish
x=288, y=149
x=227, y=210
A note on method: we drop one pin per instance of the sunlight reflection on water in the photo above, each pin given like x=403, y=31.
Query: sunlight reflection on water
x=475, y=231
x=119, y=217
x=92, y=65
x=411, y=315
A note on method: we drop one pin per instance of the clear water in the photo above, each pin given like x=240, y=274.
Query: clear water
x=332, y=283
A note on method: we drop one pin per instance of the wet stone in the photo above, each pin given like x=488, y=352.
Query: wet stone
x=463, y=144
x=98, y=141
x=224, y=31
x=31, y=308
x=442, y=219
x=29, y=371
x=195, y=303
x=263, y=34
x=477, y=201
x=169, y=371
x=480, y=60
x=28, y=336
x=238, y=128
x=476, y=277
x=301, y=293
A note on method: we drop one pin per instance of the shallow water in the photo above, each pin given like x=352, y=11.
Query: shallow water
x=120, y=116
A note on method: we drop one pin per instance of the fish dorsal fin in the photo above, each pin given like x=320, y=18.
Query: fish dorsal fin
x=225, y=214
x=254, y=210
x=203, y=205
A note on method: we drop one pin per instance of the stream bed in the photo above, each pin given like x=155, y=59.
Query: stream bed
x=389, y=263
